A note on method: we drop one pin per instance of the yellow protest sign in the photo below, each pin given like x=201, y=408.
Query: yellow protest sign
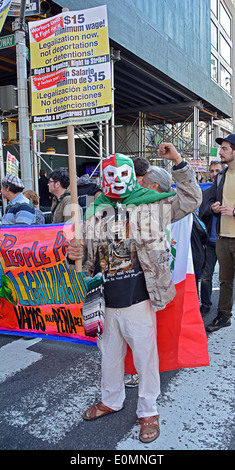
x=70, y=69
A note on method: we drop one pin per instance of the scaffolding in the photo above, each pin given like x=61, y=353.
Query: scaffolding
x=193, y=145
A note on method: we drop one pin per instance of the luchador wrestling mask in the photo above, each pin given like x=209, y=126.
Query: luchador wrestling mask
x=119, y=177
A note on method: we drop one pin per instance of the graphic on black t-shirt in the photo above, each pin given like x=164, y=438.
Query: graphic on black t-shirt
x=125, y=282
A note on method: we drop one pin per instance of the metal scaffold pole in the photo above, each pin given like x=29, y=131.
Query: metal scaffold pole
x=115, y=55
x=195, y=133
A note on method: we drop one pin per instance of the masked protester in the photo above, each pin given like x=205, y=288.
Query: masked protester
x=119, y=178
x=124, y=238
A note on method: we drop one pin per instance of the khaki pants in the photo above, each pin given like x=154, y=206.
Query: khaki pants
x=136, y=326
x=225, y=251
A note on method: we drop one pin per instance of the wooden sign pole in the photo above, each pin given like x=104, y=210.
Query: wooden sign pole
x=74, y=193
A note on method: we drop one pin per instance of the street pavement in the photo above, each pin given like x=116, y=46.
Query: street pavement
x=46, y=385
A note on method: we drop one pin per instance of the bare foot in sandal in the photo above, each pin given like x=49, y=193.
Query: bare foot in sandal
x=97, y=411
x=149, y=430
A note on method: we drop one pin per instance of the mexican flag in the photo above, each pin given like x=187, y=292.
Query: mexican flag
x=181, y=335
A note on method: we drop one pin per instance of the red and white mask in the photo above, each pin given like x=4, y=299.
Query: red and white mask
x=119, y=177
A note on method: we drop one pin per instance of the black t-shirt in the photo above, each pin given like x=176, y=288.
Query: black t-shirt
x=117, y=257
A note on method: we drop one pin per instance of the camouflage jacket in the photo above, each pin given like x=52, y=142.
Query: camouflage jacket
x=147, y=224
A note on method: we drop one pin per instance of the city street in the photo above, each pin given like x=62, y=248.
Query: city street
x=46, y=386
x=130, y=105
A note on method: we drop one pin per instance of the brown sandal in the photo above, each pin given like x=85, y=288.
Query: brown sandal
x=91, y=412
x=148, y=426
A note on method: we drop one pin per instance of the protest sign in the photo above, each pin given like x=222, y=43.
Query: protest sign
x=198, y=165
x=12, y=166
x=70, y=69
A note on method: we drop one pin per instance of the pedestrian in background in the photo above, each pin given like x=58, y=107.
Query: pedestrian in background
x=61, y=203
x=210, y=221
x=44, y=195
x=88, y=190
x=141, y=165
x=222, y=205
x=34, y=198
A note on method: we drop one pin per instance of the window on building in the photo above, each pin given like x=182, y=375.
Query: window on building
x=221, y=45
x=225, y=49
x=225, y=79
x=225, y=20
x=214, y=7
x=214, y=68
x=214, y=35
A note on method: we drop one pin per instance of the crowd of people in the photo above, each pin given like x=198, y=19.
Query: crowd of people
x=131, y=302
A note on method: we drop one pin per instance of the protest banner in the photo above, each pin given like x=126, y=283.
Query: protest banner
x=70, y=69
x=40, y=297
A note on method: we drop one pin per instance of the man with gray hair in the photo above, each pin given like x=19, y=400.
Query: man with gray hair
x=157, y=178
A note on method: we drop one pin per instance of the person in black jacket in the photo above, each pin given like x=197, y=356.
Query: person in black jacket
x=198, y=244
x=211, y=258
x=45, y=198
x=87, y=191
x=222, y=205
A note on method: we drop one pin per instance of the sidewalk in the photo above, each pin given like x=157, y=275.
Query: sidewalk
x=196, y=412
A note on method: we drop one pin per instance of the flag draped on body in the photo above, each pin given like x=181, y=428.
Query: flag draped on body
x=181, y=335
